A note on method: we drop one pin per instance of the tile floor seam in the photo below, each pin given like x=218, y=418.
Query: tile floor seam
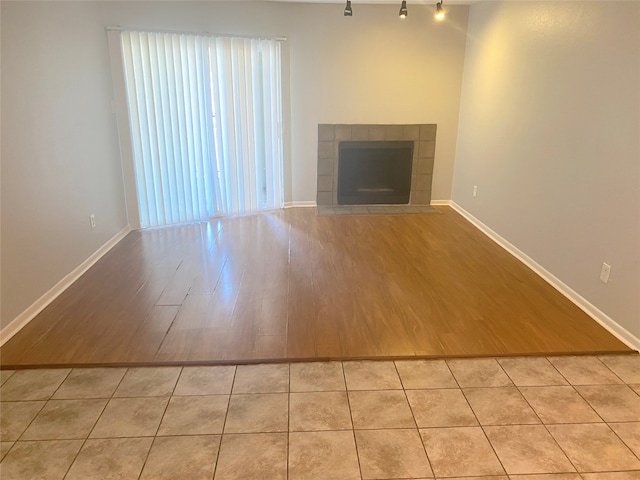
x=575, y=468
x=353, y=431
x=476, y=417
x=478, y=420
x=594, y=468
x=589, y=403
x=558, y=370
x=637, y=455
x=32, y=420
x=224, y=422
x=415, y=422
x=611, y=370
x=166, y=407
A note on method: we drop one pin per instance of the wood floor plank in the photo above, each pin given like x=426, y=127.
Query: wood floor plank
x=291, y=284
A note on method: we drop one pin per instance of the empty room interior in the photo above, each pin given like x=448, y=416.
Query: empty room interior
x=320, y=239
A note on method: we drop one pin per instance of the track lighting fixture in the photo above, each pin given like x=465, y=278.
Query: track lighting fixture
x=403, y=9
x=439, y=15
x=347, y=10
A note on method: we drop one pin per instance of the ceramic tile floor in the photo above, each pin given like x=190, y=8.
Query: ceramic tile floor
x=519, y=418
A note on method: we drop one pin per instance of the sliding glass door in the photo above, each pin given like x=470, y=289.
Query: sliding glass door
x=205, y=115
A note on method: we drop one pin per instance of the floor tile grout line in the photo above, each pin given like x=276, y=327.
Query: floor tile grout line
x=85, y=440
x=415, y=422
x=610, y=369
x=623, y=441
x=224, y=422
x=75, y=458
x=476, y=417
x=353, y=431
x=549, y=431
x=166, y=407
x=353, y=427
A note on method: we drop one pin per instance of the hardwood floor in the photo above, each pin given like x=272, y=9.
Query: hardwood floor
x=293, y=285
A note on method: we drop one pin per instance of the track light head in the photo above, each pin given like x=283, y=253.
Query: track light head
x=403, y=9
x=347, y=10
x=439, y=15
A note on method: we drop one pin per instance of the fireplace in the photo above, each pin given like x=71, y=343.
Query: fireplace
x=374, y=172
x=368, y=178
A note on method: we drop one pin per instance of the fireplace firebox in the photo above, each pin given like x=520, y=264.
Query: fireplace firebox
x=374, y=172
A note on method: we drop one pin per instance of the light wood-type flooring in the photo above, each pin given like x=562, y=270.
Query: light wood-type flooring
x=293, y=285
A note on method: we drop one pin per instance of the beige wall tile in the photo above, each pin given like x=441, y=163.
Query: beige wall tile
x=325, y=183
x=377, y=132
x=428, y=132
x=359, y=132
x=325, y=149
x=342, y=133
x=325, y=133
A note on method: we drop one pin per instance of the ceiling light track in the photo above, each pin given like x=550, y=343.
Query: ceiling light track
x=348, y=12
x=439, y=13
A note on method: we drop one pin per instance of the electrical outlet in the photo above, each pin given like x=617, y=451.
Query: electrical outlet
x=475, y=191
x=605, y=272
x=92, y=220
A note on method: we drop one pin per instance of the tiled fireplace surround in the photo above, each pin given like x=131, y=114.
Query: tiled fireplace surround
x=330, y=136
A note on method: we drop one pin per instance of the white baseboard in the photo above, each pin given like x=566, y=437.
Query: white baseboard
x=437, y=203
x=308, y=203
x=29, y=314
x=594, y=312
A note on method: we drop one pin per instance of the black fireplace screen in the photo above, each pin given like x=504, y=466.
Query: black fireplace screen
x=374, y=172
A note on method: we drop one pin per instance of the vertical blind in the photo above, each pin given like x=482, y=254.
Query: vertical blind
x=206, y=121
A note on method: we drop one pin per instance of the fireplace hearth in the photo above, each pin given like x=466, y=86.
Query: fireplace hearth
x=355, y=165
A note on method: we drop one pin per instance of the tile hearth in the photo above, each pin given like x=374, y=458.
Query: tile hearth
x=373, y=209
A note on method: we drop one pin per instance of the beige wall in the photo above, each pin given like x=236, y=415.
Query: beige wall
x=60, y=157
x=550, y=133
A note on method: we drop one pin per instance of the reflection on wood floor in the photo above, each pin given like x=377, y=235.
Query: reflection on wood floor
x=290, y=284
